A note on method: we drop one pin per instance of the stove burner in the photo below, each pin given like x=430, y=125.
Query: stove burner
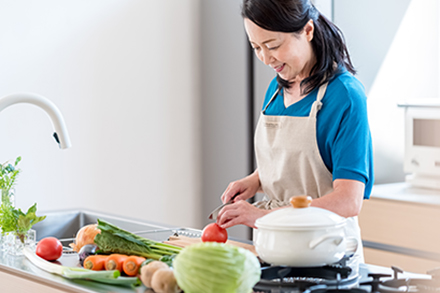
x=303, y=278
x=338, y=278
x=324, y=289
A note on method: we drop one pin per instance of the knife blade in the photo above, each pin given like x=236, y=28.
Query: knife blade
x=213, y=215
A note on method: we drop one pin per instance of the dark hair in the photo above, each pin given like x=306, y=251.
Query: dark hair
x=291, y=16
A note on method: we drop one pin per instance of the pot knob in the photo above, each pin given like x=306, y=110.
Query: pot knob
x=301, y=201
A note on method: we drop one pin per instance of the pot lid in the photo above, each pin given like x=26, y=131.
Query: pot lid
x=300, y=216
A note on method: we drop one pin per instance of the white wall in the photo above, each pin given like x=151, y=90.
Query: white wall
x=125, y=76
x=396, y=53
x=153, y=138
x=410, y=71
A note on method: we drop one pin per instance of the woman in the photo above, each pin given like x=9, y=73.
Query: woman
x=313, y=136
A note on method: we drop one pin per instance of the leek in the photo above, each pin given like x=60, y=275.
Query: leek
x=68, y=272
x=75, y=273
x=120, y=281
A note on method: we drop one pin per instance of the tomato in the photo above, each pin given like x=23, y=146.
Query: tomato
x=49, y=248
x=214, y=233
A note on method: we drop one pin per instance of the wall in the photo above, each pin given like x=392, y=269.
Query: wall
x=223, y=103
x=155, y=139
x=125, y=74
x=396, y=53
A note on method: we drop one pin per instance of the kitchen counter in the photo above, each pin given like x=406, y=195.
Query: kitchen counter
x=17, y=274
x=404, y=192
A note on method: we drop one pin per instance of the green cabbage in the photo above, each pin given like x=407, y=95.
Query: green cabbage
x=211, y=267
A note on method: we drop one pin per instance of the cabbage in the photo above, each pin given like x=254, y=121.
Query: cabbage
x=211, y=267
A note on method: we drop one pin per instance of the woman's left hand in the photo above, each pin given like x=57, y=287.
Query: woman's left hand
x=240, y=212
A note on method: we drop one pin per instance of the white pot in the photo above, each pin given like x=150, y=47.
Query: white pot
x=302, y=236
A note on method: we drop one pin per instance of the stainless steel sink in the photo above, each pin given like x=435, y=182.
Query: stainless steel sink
x=64, y=225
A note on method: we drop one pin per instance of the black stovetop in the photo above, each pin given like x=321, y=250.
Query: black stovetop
x=340, y=278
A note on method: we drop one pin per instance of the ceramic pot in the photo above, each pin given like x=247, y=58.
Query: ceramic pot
x=302, y=236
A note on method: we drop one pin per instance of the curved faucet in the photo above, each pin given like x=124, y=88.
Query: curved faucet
x=60, y=135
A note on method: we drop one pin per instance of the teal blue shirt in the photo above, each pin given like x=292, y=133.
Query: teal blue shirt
x=343, y=133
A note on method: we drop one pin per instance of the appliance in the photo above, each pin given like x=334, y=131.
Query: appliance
x=422, y=142
x=339, y=278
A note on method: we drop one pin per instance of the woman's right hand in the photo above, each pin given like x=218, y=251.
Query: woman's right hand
x=244, y=188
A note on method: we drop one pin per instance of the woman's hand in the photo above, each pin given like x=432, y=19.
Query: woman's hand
x=240, y=212
x=245, y=188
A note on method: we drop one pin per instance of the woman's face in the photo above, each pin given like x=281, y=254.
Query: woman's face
x=289, y=54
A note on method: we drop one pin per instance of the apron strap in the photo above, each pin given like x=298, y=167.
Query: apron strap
x=271, y=99
x=316, y=106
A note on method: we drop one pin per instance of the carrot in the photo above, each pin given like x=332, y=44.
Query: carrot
x=132, y=264
x=95, y=262
x=115, y=262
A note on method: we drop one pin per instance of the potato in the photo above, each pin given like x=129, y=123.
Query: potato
x=163, y=281
x=148, y=271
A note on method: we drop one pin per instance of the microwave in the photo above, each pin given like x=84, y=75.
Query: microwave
x=422, y=142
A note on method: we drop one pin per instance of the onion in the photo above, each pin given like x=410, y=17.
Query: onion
x=86, y=235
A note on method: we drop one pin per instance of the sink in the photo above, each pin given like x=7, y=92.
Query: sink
x=64, y=225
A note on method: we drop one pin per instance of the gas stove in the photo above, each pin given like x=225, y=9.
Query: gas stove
x=342, y=278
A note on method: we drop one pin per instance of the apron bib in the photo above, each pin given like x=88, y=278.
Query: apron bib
x=289, y=162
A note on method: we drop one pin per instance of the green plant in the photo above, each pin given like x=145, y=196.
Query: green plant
x=8, y=177
x=12, y=219
x=16, y=221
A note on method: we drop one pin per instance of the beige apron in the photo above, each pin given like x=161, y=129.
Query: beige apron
x=289, y=162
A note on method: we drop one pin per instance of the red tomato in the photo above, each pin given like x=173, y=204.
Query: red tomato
x=214, y=233
x=49, y=248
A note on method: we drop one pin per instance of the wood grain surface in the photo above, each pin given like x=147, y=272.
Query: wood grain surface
x=183, y=241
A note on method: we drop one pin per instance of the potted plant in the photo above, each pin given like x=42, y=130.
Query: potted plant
x=14, y=223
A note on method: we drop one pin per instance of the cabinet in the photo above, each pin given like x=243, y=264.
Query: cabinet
x=400, y=226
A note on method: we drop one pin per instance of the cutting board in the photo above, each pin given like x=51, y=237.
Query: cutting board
x=183, y=241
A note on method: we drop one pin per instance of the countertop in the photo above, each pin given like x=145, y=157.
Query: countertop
x=404, y=192
x=19, y=266
x=17, y=273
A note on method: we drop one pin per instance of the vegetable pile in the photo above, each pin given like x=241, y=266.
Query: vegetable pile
x=106, y=247
x=113, y=239
x=108, y=277
x=211, y=267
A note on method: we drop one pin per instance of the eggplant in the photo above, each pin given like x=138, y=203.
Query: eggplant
x=85, y=251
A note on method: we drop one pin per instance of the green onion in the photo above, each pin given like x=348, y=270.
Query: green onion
x=75, y=273
x=121, y=281
x=68, y=272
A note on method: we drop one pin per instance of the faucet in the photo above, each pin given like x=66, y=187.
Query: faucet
x=61, y=136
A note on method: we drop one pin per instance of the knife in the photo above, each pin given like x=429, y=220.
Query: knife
x=214, y=213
